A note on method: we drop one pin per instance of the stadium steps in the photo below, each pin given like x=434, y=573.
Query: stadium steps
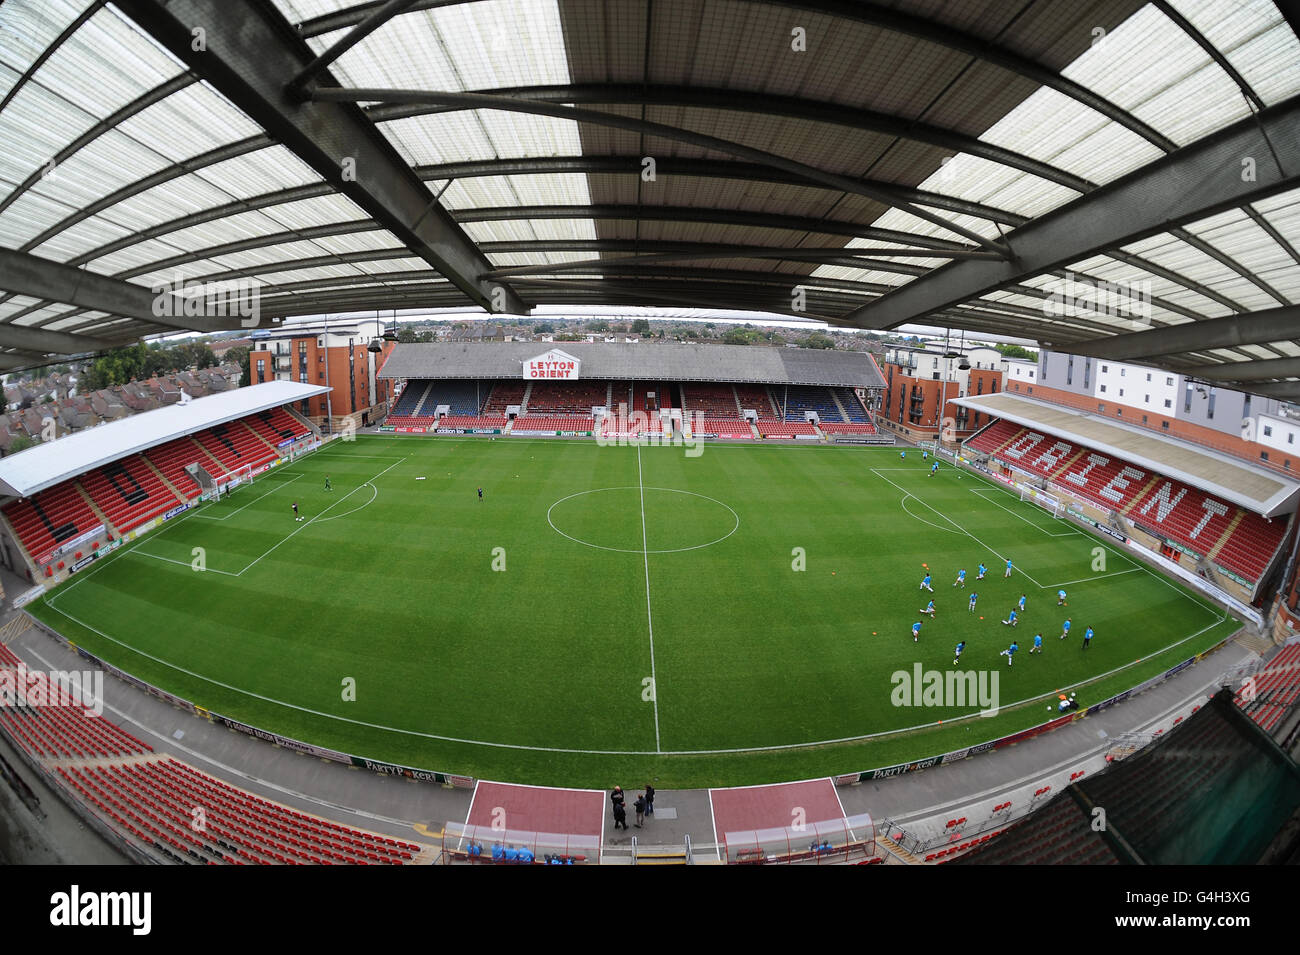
x=895, y=849
x=1124, y=511
x=206, y=456
x=99, y=515
x=1227, y=532
x=735, y=394
x=844, y=412
x=523, y=402
x=163, y=478
x=1064, y=467
x=258, y=435
x=609, y=397
x=428, y=390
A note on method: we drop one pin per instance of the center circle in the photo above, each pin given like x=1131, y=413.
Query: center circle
x=634, y=520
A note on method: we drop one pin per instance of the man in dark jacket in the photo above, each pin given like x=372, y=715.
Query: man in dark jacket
x=620, y=812
x=640, y=810
x=649, y=800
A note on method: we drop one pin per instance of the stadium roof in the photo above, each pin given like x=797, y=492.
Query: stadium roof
x=1226, y=794
x=674, y=361
x=52, y=462
x=902, y=163
x=1229, y=478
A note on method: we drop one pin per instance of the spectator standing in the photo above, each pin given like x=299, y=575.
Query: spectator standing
x=649, y=800
x=640, y=810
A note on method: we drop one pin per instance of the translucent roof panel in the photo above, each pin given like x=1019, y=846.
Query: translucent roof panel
x=102, y=67
x=976, y=179
x=485, y=45
x=1259, y=44
x=530, y=230
x=478, y=134
x=27, y=30
x=1054, y=128
x=1237, y=235
x=1159, y=73
x=491, y=191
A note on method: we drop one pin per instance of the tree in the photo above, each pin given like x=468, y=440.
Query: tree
x=424, y=337
x=543, y=328
x=238, y=355
x=641, y=326
x=1016, y=351
x=20, y=443
x=817, y=340
x=406, y=335
x=598, y=326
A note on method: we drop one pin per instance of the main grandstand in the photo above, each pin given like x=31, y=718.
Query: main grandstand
x=547, y=568
x=715, y=391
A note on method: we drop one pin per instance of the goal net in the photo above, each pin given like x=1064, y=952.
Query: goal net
x=237, y=478
x=1044, y=500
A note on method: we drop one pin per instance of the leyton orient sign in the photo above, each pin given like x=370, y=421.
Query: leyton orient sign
x=554, y=364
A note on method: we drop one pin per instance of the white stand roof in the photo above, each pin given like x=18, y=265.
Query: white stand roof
x=52, y=462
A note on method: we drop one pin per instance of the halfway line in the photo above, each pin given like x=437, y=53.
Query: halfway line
x=650, y=620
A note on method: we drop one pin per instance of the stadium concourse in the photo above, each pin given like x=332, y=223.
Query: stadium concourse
x=708, y=391
x=64, y=504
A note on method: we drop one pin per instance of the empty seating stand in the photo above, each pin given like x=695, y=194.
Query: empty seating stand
x=51, y=519
x=756, y=398
x=1241, y=541
x=711, y=401
x=171, y=458
x=566, y=398
x=801, y=399
x=502, y=396
x=553, y=423
x=1273, y=691
x=235, y=446
x=724, y=427
x=158, y=801
x=129, y=493
x=471, y=422
x=848, y=427
x=785, y=429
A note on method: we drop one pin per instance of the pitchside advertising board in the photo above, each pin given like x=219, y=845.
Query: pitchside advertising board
x=901, y=768
x=555, y=364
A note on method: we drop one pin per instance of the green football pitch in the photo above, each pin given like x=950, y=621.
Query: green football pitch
x=605, y=614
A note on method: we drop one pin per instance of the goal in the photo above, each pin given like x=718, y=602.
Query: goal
x=1044, y=500
x=237, y=478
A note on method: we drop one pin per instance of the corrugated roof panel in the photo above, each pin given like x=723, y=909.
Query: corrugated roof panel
x=1259, y=44
x=492, y=191
x=27, y=30
x=1053, y=128
x=189, y=122
x=113, y=160
x=493, y=43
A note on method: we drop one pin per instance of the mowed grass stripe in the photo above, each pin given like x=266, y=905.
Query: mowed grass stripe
x=551, y=653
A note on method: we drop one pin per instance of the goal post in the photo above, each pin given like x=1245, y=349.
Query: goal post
x=1044, y=500
x=239, y=477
